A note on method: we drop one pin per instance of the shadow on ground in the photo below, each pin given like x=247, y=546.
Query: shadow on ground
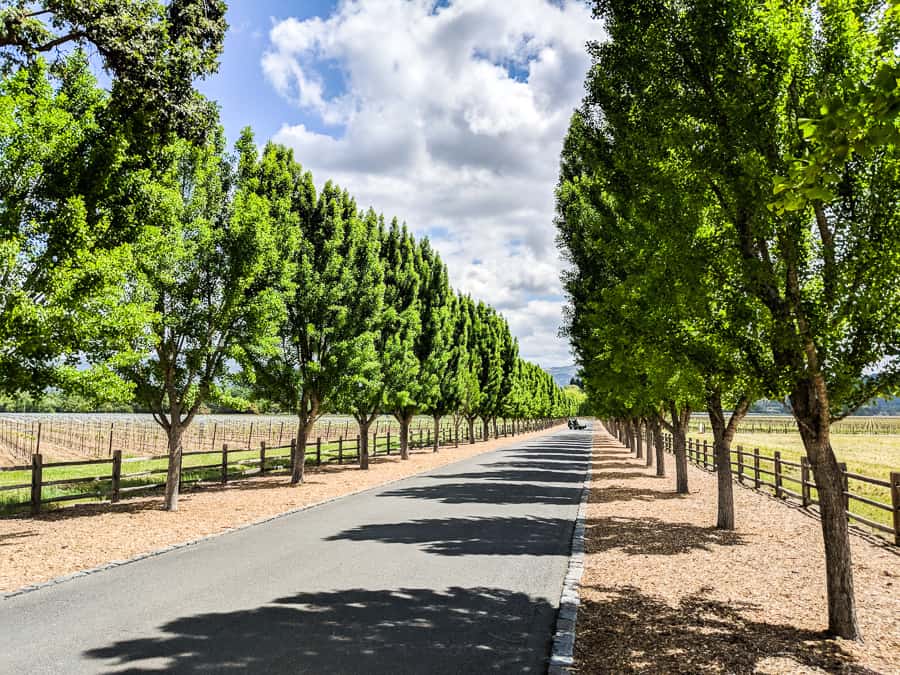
x=617, y=493
x=487, y=492
x=519, y=476
x=352, y=631
x=472, y=536
x=633, y=633
x=651, y=536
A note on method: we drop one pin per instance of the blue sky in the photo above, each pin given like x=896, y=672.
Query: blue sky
x=244, y=96
x=447, y=114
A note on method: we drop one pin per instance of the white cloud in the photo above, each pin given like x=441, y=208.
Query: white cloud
x=451, y=118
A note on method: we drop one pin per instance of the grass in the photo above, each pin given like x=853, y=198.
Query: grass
x=874, y=456
x=97, y=482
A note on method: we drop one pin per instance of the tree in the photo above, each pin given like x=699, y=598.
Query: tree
x=727, y=88
x=362, y=387
x=153, y=50
x=402, y=327
x=66, y=214
x=439, y=355
x=487, y=361
x=207, y=268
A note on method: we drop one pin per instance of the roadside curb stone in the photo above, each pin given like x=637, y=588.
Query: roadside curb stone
x=562, y=654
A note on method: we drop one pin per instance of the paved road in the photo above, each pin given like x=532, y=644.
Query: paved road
x=457, y=571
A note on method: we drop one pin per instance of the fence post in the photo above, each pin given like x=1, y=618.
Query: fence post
x=224, y=463
x=777, y=474
x=845, y=487
x=804, y=481
x=262, y=457
x=756, y=483
x=740, y=465
x=293, y=453
x=705, y=454
x=895, y=502
x=389, y=441
x=358, y=449
x=116, y=475
x=37, y=473
x=111, y=425
x=319, y=451
x=341, y=450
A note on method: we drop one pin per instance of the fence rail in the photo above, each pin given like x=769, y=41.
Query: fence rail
x=880, y=508
x=750, y=467
x=113, y=479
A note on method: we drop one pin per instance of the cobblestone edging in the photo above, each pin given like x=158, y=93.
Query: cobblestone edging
x=563, y=650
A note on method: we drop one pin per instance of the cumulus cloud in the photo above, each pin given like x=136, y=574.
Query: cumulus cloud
x=451, y=116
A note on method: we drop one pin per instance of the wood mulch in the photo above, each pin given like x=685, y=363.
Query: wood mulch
x=61, y=542
x=665, y=592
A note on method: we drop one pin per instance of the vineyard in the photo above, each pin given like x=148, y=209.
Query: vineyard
x=43, y=483
x=785, y=424
x=64, y=436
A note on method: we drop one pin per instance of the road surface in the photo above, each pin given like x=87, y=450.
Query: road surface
x=456, y=571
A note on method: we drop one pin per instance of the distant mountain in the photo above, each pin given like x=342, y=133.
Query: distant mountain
x=562, y=375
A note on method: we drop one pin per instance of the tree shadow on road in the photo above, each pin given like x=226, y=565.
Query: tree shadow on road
x=549, y=465
x=651, y=536
x=353, y=631
x=628, y=632
x=472, y=536
x=520, y=476
x=485, y=492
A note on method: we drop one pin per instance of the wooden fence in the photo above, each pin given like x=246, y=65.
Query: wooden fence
x=790, y=480
x=68, y=437
x=110, y=479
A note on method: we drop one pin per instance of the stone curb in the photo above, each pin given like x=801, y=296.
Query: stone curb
x=174, y=547
x=562, y=654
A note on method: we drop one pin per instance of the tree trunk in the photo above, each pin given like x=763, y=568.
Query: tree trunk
x=363, y=444
x=722, y=453
x=679, y=447
x=638, y=441
x=658, y=446
x=486, y=428
x=648, y=441
x=298, y=469
x=471, y=422
x=436, y=443
x=813, y=422
x=496, y=430
x=173, y=474
x=405, y=421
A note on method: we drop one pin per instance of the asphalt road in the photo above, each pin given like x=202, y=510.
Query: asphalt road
x=457, y=571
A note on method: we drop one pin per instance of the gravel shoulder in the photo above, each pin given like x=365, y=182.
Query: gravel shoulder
x=58, y=543
x=665, y=592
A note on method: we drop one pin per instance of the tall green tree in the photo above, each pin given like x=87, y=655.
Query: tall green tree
x=439, y=355
x=153, y=50
x=727, y=88
x=207, y=268
x=402, y=327
x=362, y=388
x=66, y=215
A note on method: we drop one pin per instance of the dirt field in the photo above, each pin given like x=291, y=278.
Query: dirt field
x=66, y=541
x=664, y=592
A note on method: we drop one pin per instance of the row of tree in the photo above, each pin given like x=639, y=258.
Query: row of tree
x=173, y=268
x=732, y=235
